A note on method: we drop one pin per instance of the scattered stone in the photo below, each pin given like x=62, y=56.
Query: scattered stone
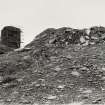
x=51, y=97
x=37, y=85
x=103, y=69
x=87, y=31
x=20, y=79
x=26, y=57
x=92, y=43
x=87, y=91
x=83, y=68
x=95, y=38
x=82, y=39
x=76, y=103
x=87, y=37
x=61, y=86
x=103, y=78
x=86, y=43
x=97, y=101
x=57, y=68
x=75, y=73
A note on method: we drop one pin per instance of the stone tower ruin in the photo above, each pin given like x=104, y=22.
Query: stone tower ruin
x=11, y=37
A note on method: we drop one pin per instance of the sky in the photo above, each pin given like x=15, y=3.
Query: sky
x=34, y=16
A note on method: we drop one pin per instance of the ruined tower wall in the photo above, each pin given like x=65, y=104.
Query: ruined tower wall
x=11, y=37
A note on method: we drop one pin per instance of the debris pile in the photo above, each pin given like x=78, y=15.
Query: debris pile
x=65, y=36
x=59, y=66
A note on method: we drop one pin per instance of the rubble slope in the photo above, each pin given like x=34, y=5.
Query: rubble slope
x=59, y=66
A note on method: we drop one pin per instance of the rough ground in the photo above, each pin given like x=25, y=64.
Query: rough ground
x=59, y=67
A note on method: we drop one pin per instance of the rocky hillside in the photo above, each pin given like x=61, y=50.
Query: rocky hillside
x=60, y=66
